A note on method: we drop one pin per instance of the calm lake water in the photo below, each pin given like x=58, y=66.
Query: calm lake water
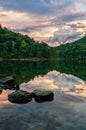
x=68, y=109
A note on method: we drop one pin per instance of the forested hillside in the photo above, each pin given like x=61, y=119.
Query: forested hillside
x=15, y=45
x=75, y=50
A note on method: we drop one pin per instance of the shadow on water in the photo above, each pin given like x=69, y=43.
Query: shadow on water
x=25, y=70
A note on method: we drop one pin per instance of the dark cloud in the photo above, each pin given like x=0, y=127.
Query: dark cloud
x=3, y=15
x=61, y=11
x=62, y=19
x=77, y=25
x=72, y=17
x=26, y=29
x=43, y=14
x=40, y=7
x=80, y=25
x=31, y=6
x=45, y=7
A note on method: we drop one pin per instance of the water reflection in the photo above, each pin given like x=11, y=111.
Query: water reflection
x=56, y=81
x=65, y=112
x=25, y=70
x=4, y=97
x=1, y=90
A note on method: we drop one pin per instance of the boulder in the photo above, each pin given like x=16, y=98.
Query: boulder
x=10, y=80
x=1, y=90
x=42, y=95
x=11, y=87
x=19, y=96
x=1, y=85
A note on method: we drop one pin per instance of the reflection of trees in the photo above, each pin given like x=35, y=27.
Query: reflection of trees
x=25, y=70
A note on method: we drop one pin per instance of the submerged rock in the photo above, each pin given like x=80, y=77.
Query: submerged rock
x=42, y=95
x=7, y=80
x=20, y=96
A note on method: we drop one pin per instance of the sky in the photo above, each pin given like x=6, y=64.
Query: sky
x=52, y=21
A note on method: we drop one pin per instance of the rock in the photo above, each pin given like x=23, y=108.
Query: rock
x=1, y=85
x=42, y=95
x=1, y=90
x=11, y=87
x=17, y=87
x=19, y=96
x=8, y=80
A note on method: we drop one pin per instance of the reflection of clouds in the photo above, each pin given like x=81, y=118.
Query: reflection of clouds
x=57, y=81
x=39, y=82
x=68, y=83
x=4, y=97
x=64, y=112
x=81, y=109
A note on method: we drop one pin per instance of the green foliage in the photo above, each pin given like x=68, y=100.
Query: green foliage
x=15, y=45
x=73, y=51
x=26, y=70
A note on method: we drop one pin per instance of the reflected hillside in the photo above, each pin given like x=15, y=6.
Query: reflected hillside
x=25, y=70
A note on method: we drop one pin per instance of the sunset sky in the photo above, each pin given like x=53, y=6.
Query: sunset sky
x=51, y=21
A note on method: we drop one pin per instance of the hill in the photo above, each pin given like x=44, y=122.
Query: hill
x=15, y=45
x=75, y=50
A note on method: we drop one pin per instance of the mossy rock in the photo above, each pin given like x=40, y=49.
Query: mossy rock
x=42, y=95
x=20, y=96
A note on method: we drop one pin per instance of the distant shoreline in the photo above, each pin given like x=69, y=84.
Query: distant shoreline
x=23, y=59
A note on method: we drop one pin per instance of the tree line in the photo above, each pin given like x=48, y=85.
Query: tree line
x=16, y=45
x=75, y=50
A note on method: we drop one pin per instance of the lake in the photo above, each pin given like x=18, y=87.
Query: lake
x=67, y=111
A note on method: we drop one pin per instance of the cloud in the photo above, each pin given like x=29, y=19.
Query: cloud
x=38, y=7
x=72, y=17
x=81, y=25
x=26, y=29
x=54, y=20
x=64, y=35
x=3, y=15
x=57, y=3
x=33, y=6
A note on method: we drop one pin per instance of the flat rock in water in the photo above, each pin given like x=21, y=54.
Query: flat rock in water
x=7, y=80
x=42, y=95
x=20, y=96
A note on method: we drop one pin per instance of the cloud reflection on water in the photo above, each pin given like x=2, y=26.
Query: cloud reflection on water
x=66, y=87
x=57, y=81
x=66, y=112
x=4, y=97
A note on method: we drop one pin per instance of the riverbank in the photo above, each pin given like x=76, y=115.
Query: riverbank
x=23, y=59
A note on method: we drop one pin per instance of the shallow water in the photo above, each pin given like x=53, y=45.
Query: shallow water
x=66, y=112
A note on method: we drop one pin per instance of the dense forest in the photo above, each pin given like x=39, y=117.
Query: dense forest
x=75, y=50
x=16, y=45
